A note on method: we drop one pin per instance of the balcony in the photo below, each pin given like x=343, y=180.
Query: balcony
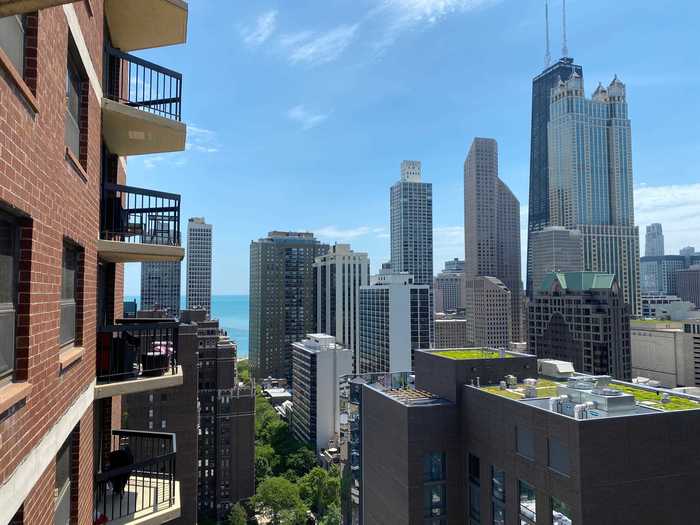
x=20, y=7
x=143, y=24
x=137, y=355
x=141, y=108
x=138, y=225
x=137, y=484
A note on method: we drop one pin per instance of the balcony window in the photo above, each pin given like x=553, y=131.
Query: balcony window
x=12, y=35
x=9, y=255
x=561, y=513
x=528, y=503
x=69, y=280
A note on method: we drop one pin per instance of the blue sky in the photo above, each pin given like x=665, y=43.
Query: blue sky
x=299, y=113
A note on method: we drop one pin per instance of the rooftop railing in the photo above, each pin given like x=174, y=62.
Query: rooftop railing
x=136, y=348
x=137, y=477
x=144, y=85
x=139, y=215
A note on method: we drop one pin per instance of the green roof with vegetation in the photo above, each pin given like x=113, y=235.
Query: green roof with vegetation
x=545, y=388
x=471, y=353
x=579, y=281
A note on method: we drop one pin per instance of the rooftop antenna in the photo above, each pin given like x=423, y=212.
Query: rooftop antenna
x=564, y=47
x=547, y=55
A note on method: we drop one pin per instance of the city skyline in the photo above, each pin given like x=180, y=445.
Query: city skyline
x=663, y=174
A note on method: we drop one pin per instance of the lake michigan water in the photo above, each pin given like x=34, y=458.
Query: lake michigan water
x=232, y=313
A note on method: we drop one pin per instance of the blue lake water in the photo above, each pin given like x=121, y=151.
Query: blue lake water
x=232, y=313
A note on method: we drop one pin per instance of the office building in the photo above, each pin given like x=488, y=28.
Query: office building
x=491, y=227
x=454, y=266
x=160, y=287
x=339, y=274
x=282, y=299
x=412, y=224
x=226, y=465
x=659, y=273
x=318, y=362
x=488, y=312
x=688, y=284
x=199, y=264
x=581, y=317
x=593, y=192
x=654, y=245
x=396, y=318
x=688, y=250
x=659, y=354
x=450, y=330
x=651, y=302
x=448, y=289
x=510, y=439
x=555, y=249
x=68, y=222
x=538, y=202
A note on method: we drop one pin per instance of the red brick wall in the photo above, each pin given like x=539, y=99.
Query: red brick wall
x=38, y=180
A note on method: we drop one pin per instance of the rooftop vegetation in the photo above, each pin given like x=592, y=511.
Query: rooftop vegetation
x=471, y=353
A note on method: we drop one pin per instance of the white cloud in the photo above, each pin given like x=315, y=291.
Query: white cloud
x=334, y=233
x=313, y=48
x=265, y=26
x=306, y=118
x=151, y=162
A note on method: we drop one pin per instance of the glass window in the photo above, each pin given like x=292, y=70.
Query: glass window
x=8, y=293
x=474, y=503
x=474, y=469
x=499, y=513
x=68, y=294
x=435, y=504
x=62, y=484
x=558, y=456
x=525, y=442
x=561, y=513
x=12, y=40
x=528, y=507
x=74, y=81
x=498, y=484
x=434, y=466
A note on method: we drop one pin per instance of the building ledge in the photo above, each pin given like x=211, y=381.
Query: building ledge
x=121, y=252
x=152, y=514
x=12, y=394
x=20, y=84
x=139, y=384
x=143, y=24
x=69, y=356
x=19, y=7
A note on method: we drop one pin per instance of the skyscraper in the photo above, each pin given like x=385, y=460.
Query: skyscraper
x=489, y=309
x=160, y=286
x=454, y=266
x=491, y=226
x=412, y=224
x=590, y=183
x=199, y=264
x=282, y=299
x=538, y=204
x=449, y=291
x=555, y=249
x=338, y=277
x=654, y=246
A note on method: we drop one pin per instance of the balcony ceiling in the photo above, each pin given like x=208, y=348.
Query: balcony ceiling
x=144, y=24
x=131, y=131
x=122, y=252
x=19, y=7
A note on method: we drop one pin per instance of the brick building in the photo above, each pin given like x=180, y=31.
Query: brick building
x=68, y=117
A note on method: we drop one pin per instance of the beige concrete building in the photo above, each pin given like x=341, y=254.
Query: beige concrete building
x=450, y=331
x=659, y=353
x=488, y=312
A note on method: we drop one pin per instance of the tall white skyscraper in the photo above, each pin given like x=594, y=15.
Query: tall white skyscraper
x=199, y=264
x=412, y=224
x=160, y=286
x=338, y=277
x=654, y=246
x=554, y=249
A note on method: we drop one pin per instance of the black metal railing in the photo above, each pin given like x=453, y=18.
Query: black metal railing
x=134, y=348
x=137, y=475
x=142, y=84
x=138, y=215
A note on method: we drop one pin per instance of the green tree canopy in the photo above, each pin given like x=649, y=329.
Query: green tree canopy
x=278, y=498
x=238, y=515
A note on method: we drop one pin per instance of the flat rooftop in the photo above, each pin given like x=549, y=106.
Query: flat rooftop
x=410, y=396
x=589, y=397
x=472, y=353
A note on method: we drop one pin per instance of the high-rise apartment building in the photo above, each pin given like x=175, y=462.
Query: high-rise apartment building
x=581, y=317
x=538, y=214
x=412, y=224
x=317, y=364
x=338, y=276
x=485, y=438
x=555, y=249
x=593, y=191
x=654, y=245
x=488, y=311
x=396, y=318
x=689, y=284
x=491, y=228
x=659, y=274
x=448, y=289
x=68, y=222
x=282, y=299
x=160, y=287
x=199, y=264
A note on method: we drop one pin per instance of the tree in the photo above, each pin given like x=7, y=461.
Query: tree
x=320, y=490
x=302, y=461
x=275, y=495
x=237, y=515
x=332, y=516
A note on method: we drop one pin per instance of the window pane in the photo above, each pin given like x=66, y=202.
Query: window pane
x=499, y=514
x=528, y=507
x=474, y=502
x=525, y=442
x=433, y=466
x=558, y=456
x=12, y=40
x=434, y=501
x=498, y=484
x=474, y=468
x=68, y=304
x=73, y=109
x=561, y=514
x=8, y=280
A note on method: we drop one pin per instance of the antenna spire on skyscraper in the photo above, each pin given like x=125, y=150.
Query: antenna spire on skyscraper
x=547, y=55
x=564, y=46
